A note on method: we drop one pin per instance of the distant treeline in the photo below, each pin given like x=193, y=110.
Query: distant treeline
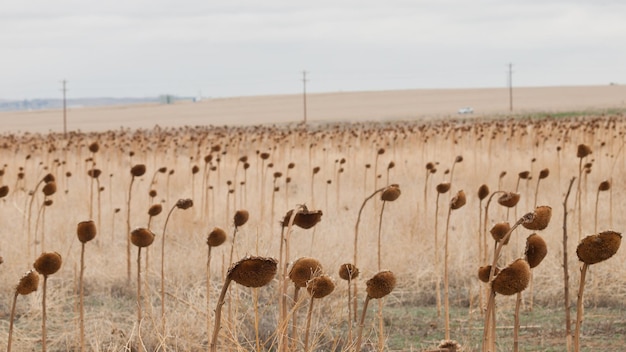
x=42, y=104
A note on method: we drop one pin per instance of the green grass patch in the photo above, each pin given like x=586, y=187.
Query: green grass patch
x=543, y=329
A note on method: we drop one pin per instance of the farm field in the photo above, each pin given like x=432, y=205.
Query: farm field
x=422, y=104
x=388, y=187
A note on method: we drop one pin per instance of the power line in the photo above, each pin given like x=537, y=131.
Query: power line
x=304, y=80
x=64, y=89
x=510, y=74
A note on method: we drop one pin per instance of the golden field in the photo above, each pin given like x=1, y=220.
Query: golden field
x=382, y=138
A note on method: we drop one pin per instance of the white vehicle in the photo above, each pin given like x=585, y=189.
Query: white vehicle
x=466, y=110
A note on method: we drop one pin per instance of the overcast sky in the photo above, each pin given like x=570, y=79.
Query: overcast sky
x=139, y=48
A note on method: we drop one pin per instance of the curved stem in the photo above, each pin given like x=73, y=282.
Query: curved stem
x=452, y=171
x=566, y=300
x=485, y=223
x=595, y=218
x=208, y=293
x=578, y=198
x=358, y=220
x=30, y=211
x=536, y=192
x=39, y=212
x=163, y=270
x=43, y=314
x=43, y=225
x=356, y=239
x=446, y=298
x=579, y=307
x=381, y=327
x=437, y=274
x=518, y=303
x=232, y=247
x=81, y=298
x=489, y=321
x=480, y=253
x=140, y=345
x=11, y=322
x=218, y=315
x=294, y=323
x=130, y=188
x=283, y=343
x=308, y=325
x=380, y=226
x=489, y=327
x=349, y=310
x=255, y=292
x=99, y=202
x=426, y=193
x=362, y=324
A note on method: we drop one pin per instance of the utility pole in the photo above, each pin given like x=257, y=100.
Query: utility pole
x=64, y=109
x=510, y=74
x=304, y=80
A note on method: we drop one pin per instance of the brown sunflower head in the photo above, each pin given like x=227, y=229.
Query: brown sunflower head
x=138, y=170
x=49, y=188
x=536, y=250
x=241, y=217
x=304, y=217
x=184, y=204
x=48, y=178
x=253, y=271
x=216, y=237
x=604, y=186
x=443, y=187
x=539, y=219
x=483, y=192
x=509, y=199
x=142, y=237
x=485, y=271
x=458, y=201
x=303, y=270
x=599, y=247
x=320, y=286
x=381, y=284
x=348, y=271
x=512, y=279
x=94, y=147
x=28, y=283
x=583, y=150
x=499, y=230
x=155, y=209
x=48, y=263
x=94, y=173
x=86, y=231
x=4, y=190
x=390, y=193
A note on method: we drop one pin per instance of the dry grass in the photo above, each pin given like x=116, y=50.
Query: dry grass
x=488, y=148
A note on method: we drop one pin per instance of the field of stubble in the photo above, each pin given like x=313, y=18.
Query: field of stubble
x=335, y=168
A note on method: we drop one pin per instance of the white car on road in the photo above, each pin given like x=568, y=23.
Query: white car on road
x=466, y=110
